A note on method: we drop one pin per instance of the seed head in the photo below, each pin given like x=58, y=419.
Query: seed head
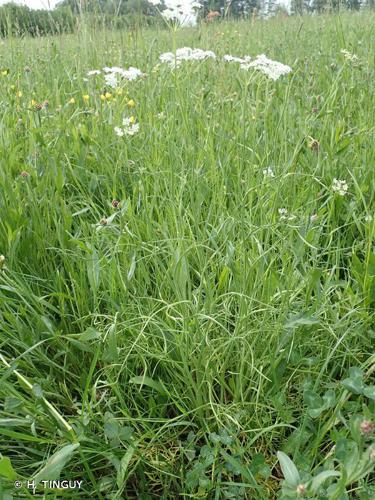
x=314, y=145
x=367, y=427
x=24, y=174
x=103, y=221
x=115, y=203
x=301, y=490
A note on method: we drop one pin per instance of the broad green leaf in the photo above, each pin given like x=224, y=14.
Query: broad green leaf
x=111, y=429
x=149, y=382
x=223, y=279
x=89, y=334
x=56, y=463
x=314, y=403
x=369, y=391
x=353, y=384
x=289, y=470
x=355, y=371
x=6, y=469
x=124, y=464
x=318, y=480
x=300, y=320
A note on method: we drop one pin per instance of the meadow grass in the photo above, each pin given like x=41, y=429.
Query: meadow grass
x=182, y=338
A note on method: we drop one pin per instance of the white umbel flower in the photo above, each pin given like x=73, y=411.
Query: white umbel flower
x=111, y=80
x=186, y=54
x=114, y=73
x=169, y=14
x=349, y=56
x=340, y=187
x=270, y=68
x=119, y=131
x=268, y=172
x=94, y=72
x=130, y=127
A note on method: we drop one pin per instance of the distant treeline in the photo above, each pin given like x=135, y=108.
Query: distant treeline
x=19, y=20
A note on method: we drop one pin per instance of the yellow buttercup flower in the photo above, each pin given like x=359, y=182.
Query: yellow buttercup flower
x=33, y=102
x=131, y=103
x=86, y=97
x=5, y=72
x=119, y=91
x=108, y=95
x=132, y=119
x=72, y=101
x=102, y=97
x=18, y=93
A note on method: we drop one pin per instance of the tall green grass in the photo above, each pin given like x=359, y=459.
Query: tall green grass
x=188, y=339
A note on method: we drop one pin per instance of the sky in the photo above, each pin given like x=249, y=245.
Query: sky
x=34, y=4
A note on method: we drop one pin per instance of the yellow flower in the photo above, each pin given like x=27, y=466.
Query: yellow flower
x=131, y=103
x=119, y=91
x=102, y=97
x=108, y=95
x=12, y=87
x=86, y=97
x=33, y=102
x=18, y=93
x=72, y=100
x=132, y=119
x=5, y=72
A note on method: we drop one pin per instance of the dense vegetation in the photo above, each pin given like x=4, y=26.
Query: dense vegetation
x=187, y=267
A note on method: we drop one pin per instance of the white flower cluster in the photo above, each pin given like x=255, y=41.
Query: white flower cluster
x=185, y=54
x=113, y=74
x=284, y=214
x=268, y=172
x=272, y=69
x=340, y=187
x=348, y=56
x=129, y=127
x=170, y=14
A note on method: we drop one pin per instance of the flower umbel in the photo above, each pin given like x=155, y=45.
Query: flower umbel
x=130, y=127
x=340, y=187
x=268, y=172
